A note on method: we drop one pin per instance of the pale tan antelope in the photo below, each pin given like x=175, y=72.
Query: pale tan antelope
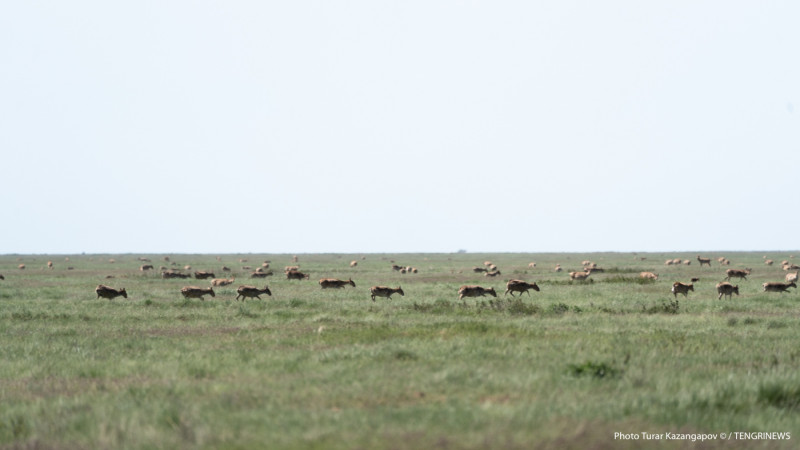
x=333, y=283
x=648, y=276
x=222, y=281
x=791, y=277
x=579, y=276
x=109, y=292
x=520, y=286
x=252, y=292
x=196, y=292
x=386, y=292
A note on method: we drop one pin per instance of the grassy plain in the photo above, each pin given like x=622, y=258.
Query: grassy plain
x=566, y=367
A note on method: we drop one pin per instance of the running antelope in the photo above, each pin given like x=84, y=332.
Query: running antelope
x=296, y=275
x=252, y=291
x=383, y=291
x=196, y=292
x=778, y=287
x=109, y=292
x=326, y=283
x=475, y=291
x=737, y=273
x=580, y=276
x=520, y=286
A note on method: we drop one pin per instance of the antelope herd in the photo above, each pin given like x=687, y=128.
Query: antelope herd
x=723, y=289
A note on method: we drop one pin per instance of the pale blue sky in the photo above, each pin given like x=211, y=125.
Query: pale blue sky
x=407, y=126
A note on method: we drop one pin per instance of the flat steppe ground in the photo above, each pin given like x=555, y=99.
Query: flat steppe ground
x=575, y=365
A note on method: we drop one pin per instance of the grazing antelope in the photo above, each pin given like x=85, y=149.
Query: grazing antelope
x=479, y=269
x=520, y=286
x=203, y=275
x=146, y=267
x=726, y=289
x=109, y=292
x=492, y=274
x=706, y=261
x=252, y=291
x=736, y=273
x=687, y=262
x=397, y=268
x=648, y=276
x=296, y=275
x=778, y=287
x=197, y=292
x=21, y=267
x=334, y=283
x=353, y=263
x=383, y=291
x=226, y=269
x=49, y=264
x=222, y=281
x=769, y=262
x=558, y=268
x=681, y=288
x=532, y=265
x=475, y=291
x=579, y=276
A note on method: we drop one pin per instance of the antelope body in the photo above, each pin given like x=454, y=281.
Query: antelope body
x=520, y=286
x=386, y=292
x=475, y=291
x=252, y=291
x=109, y=292
x=334, y=283
x=196, y=292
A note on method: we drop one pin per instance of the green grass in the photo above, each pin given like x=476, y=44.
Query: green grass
x=307, y=368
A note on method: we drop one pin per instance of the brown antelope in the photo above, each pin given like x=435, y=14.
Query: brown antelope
x=222, y=281
x=579, y=276
x=479, y=269
x=706, y=261
x=397, y=268
x=726, y=289
x=252, y=292
x=681, y=288
x=296, y=275
x=383, y=291
x=196, y=292
x=173, y=274
x=648, y=276
x=203, y=275
x=492, y=274
x=520, y=286
x=49, y=264
x=146, y=267
x=2, y=277
x=259, y=274
x=109, y=292
x=769, y=262
x=737, y=273
x=475, y=291
x=778, y=287
x=334, y=283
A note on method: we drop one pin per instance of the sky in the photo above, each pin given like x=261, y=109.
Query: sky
x=398, y=126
